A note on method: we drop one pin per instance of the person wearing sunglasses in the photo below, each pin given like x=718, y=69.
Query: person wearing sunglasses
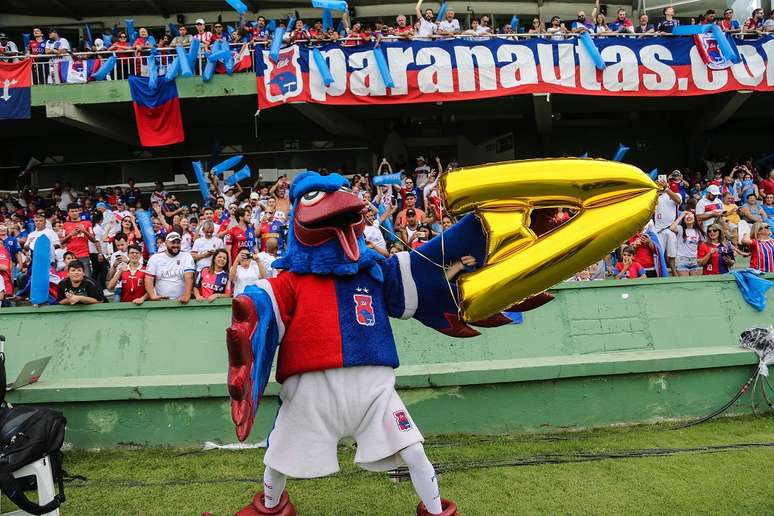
x=761, y=247
x=716, y=253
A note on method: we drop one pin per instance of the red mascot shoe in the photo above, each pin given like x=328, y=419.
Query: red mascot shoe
x=449, y=509
x=257, y=508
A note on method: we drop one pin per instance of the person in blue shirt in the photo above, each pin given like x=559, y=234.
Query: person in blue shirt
x=11, y=243
x=580, y=24
x=668, y=24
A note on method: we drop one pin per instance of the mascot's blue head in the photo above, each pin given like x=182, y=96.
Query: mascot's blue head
x=325, y=234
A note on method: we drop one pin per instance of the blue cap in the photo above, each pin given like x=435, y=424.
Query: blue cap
x=101, y=205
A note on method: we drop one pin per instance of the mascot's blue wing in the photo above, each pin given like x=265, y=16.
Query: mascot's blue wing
x=265, y=340
x=416, y=287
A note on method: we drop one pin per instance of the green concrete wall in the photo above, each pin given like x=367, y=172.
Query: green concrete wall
x=99, y=92
x=597, y=317
x=602, y=353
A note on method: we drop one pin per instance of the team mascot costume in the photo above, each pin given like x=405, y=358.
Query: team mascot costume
x=328, y=312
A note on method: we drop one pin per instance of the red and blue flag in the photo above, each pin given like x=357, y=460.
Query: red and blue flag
x=15, y=84
x=156, y=111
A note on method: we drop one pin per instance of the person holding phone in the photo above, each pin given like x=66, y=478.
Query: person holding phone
x=130, y=277
x=246, y=270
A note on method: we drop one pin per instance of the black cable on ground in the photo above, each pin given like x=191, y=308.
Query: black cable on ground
x=725, y=407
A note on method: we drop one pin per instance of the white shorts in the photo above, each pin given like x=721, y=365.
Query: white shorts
x=320, y=408
x=668, y=241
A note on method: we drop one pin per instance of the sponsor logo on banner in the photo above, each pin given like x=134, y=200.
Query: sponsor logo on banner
x=459, y=69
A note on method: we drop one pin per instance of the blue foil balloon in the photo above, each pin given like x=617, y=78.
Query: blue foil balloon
x=621, y=152
x=322, y=65
x=227, y=164
x=41, y=264
x=204, y=186
x=146, y=228
x=105, y=69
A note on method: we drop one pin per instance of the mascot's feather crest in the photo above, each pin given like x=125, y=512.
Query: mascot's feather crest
x=327, y=258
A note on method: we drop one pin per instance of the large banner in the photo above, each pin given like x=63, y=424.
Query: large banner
x=446, y=70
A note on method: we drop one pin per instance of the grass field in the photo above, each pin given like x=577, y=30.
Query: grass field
x=481, y=476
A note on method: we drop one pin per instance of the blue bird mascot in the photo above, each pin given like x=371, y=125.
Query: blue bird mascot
x=328, y=313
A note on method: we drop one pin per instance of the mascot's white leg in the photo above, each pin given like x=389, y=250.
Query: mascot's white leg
x=423, y=477
x=273, y=486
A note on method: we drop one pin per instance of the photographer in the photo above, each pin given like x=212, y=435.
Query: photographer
x=170, y=207
x=716, y=254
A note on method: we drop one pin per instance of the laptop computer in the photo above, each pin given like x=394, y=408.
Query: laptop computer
x=30, y=373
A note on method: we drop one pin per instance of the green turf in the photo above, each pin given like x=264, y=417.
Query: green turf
x=738, y=481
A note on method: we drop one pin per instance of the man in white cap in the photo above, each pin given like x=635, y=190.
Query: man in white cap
x=709, y=209
x=170, y=275
x=202, y=34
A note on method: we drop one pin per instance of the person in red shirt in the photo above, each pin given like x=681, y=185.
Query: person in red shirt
x=402, y=30
x=213, y=282
x=643, y=253
x=767, y=185
x=131, y=276
x=241, y=235
x=77, y=235
x=628, y=268
x=6, y=266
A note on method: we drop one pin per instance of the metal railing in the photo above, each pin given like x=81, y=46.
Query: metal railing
x=46, y=68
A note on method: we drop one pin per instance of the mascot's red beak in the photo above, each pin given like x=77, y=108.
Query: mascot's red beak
x=335, y=215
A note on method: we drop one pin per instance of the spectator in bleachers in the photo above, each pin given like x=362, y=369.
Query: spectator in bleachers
x=170, y=274
x=556, y=29
x=709, y=209
x=77, y=235
x=761, y=247
x=536, y=27
x=183, y=38
x=644, y=26
x=202, y=34
x=6, y=274
x=12, y=244
x=688, y=233
x=402, y=29
x=77, y=288
x=246, y=270
x=205, y=246
x=754, y=22
x=580, y=24
x=449, y=26
x=751, y=211
x=129, y=277
x=121, y=42
x=59, y=49
x=622, y=23
x=40, y=230
x=728, y=23
x=768, y=25
x=299, y=33
x=427, y=25
x=268, y=256
x=213, y=282
x=628, y=268
x=218, y=34
x=8, y=49
x=709, y=16
x=600, y=25
x=144, y=40
x=768, y=207
x=716, y=254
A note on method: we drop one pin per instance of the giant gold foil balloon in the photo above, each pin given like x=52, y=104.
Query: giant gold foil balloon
x=614, y=201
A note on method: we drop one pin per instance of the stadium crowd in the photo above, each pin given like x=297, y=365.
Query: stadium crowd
x=133, y=46
x=702, y=224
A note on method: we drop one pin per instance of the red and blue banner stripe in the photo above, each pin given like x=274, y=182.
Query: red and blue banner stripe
x=447, y=70
x=156, y=111
x=15, y=84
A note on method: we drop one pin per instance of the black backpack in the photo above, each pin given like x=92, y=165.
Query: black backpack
x=28, y=434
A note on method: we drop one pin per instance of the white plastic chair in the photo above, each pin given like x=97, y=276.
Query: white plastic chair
x=41, y=469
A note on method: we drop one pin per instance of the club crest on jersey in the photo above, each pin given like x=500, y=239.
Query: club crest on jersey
x=404, y=423
x=364, y=310
x=283, y=77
